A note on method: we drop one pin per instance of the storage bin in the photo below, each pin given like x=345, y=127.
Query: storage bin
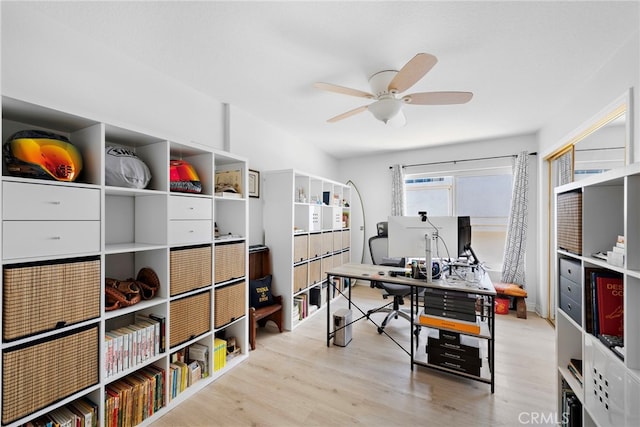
x=230, y=303
x=315, y=245
x=229, y=261
x=38, y=297
x=190, y=269
x=327, y=243
x=569, y=222
x=315, y=272
x=300, y=277
x=45, y=371
x=189, y=317
x=300, y=247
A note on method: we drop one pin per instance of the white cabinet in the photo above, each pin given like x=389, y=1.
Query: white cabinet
x=306, y=222
x=594, y=216
x=64, y=243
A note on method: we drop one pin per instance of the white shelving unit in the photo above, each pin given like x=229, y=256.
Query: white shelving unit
x=306, y=222
x=123, y=230
x=610, y=388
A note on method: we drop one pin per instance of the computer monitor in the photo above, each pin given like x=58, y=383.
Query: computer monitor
x=464, y=235
x=407, y=236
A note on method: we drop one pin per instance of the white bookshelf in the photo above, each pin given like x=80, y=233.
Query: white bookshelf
x=306, y=236
x=125, y=229
x=610, y=387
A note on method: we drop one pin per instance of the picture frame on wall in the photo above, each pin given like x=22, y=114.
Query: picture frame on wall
x=254, y=183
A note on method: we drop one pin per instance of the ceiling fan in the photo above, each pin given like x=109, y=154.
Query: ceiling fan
x=386, y=87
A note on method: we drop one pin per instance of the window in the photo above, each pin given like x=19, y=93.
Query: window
x=484, y=195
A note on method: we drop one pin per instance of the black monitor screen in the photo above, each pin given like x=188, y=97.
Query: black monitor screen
x=464, y=235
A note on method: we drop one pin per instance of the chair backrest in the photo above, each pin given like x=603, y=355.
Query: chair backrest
x=379, y=249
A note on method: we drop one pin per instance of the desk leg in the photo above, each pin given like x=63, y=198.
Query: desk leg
x=492, y=343
x=413, y=289
x=329, y=285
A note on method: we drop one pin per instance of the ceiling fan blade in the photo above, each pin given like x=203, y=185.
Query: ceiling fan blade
x=343, y=90
x=347, y=114
x=438, y=98
x=412, y=71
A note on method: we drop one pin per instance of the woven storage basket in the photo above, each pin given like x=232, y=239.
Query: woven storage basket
x=570, y=222
x=189, y=317
x=190, y=268
x=300, y=247
x=315, y=245
x=346, y=239
x=327, y=243
x=337, y=240
x=300, y=277
x=229, y=261
x=38, y=297
x=229, y=303
x=39, y=374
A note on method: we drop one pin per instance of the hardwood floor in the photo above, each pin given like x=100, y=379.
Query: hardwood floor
x=294, y=379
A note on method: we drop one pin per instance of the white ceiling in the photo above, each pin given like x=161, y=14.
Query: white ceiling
x=522, y=60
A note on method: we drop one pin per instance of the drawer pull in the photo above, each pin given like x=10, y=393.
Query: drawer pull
x=569, y=288
x=191, y=208
x=56, y=202
x=569, y=270
x=192, y=231
x=56, y=238
x=569, y=307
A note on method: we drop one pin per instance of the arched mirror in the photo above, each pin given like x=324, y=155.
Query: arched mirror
x=601, y=144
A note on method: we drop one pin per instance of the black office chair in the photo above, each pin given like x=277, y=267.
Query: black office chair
x=378, y=248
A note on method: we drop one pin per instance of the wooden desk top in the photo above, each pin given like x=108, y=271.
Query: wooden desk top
x=373, y=272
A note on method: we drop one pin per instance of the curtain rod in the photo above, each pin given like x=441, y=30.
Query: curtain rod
x=460, y=161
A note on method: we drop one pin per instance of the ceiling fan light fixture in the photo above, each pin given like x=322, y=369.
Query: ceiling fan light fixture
x=385, y=109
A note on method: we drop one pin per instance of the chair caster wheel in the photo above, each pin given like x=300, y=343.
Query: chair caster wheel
x=380, y=330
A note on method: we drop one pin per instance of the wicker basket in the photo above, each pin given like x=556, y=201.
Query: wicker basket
x=315, y=245
x=230, y=303
x=327, y=243
x=315, y=273
x=300, y=247
x=38, y=297
x=570, y=222
x=190, y=268
x=189, y=318
x=229, y=261
x=39, y=374
x=300, y=277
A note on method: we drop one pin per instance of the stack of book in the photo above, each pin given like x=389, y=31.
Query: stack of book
x=131, y=400
x=616, y=255
x=219, y=354
x=604, y=297
x=575, y=367
x=200, y=354
x=450, y=310
x=571, y=407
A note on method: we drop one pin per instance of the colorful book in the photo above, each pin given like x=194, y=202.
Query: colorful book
x=610, y=291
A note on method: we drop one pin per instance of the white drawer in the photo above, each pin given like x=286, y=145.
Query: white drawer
x=184, y=207
x=181, y=232
x=24, y=201
x=25, y=239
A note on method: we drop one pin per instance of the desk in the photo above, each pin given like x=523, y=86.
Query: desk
x=483, y=290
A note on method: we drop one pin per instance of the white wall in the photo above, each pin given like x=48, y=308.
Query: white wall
x=49, y=64
x=372, y=177
x=65, y=70
x=270, y=148
x=617, y=75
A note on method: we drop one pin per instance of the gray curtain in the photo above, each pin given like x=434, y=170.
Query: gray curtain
x=397, y=190
x=516, y=244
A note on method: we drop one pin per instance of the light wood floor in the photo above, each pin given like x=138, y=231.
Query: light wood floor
x=294, y=379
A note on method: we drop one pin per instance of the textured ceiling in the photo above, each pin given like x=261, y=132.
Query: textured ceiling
x=522, y=60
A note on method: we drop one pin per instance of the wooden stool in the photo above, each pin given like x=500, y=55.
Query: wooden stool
x=515, y=291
